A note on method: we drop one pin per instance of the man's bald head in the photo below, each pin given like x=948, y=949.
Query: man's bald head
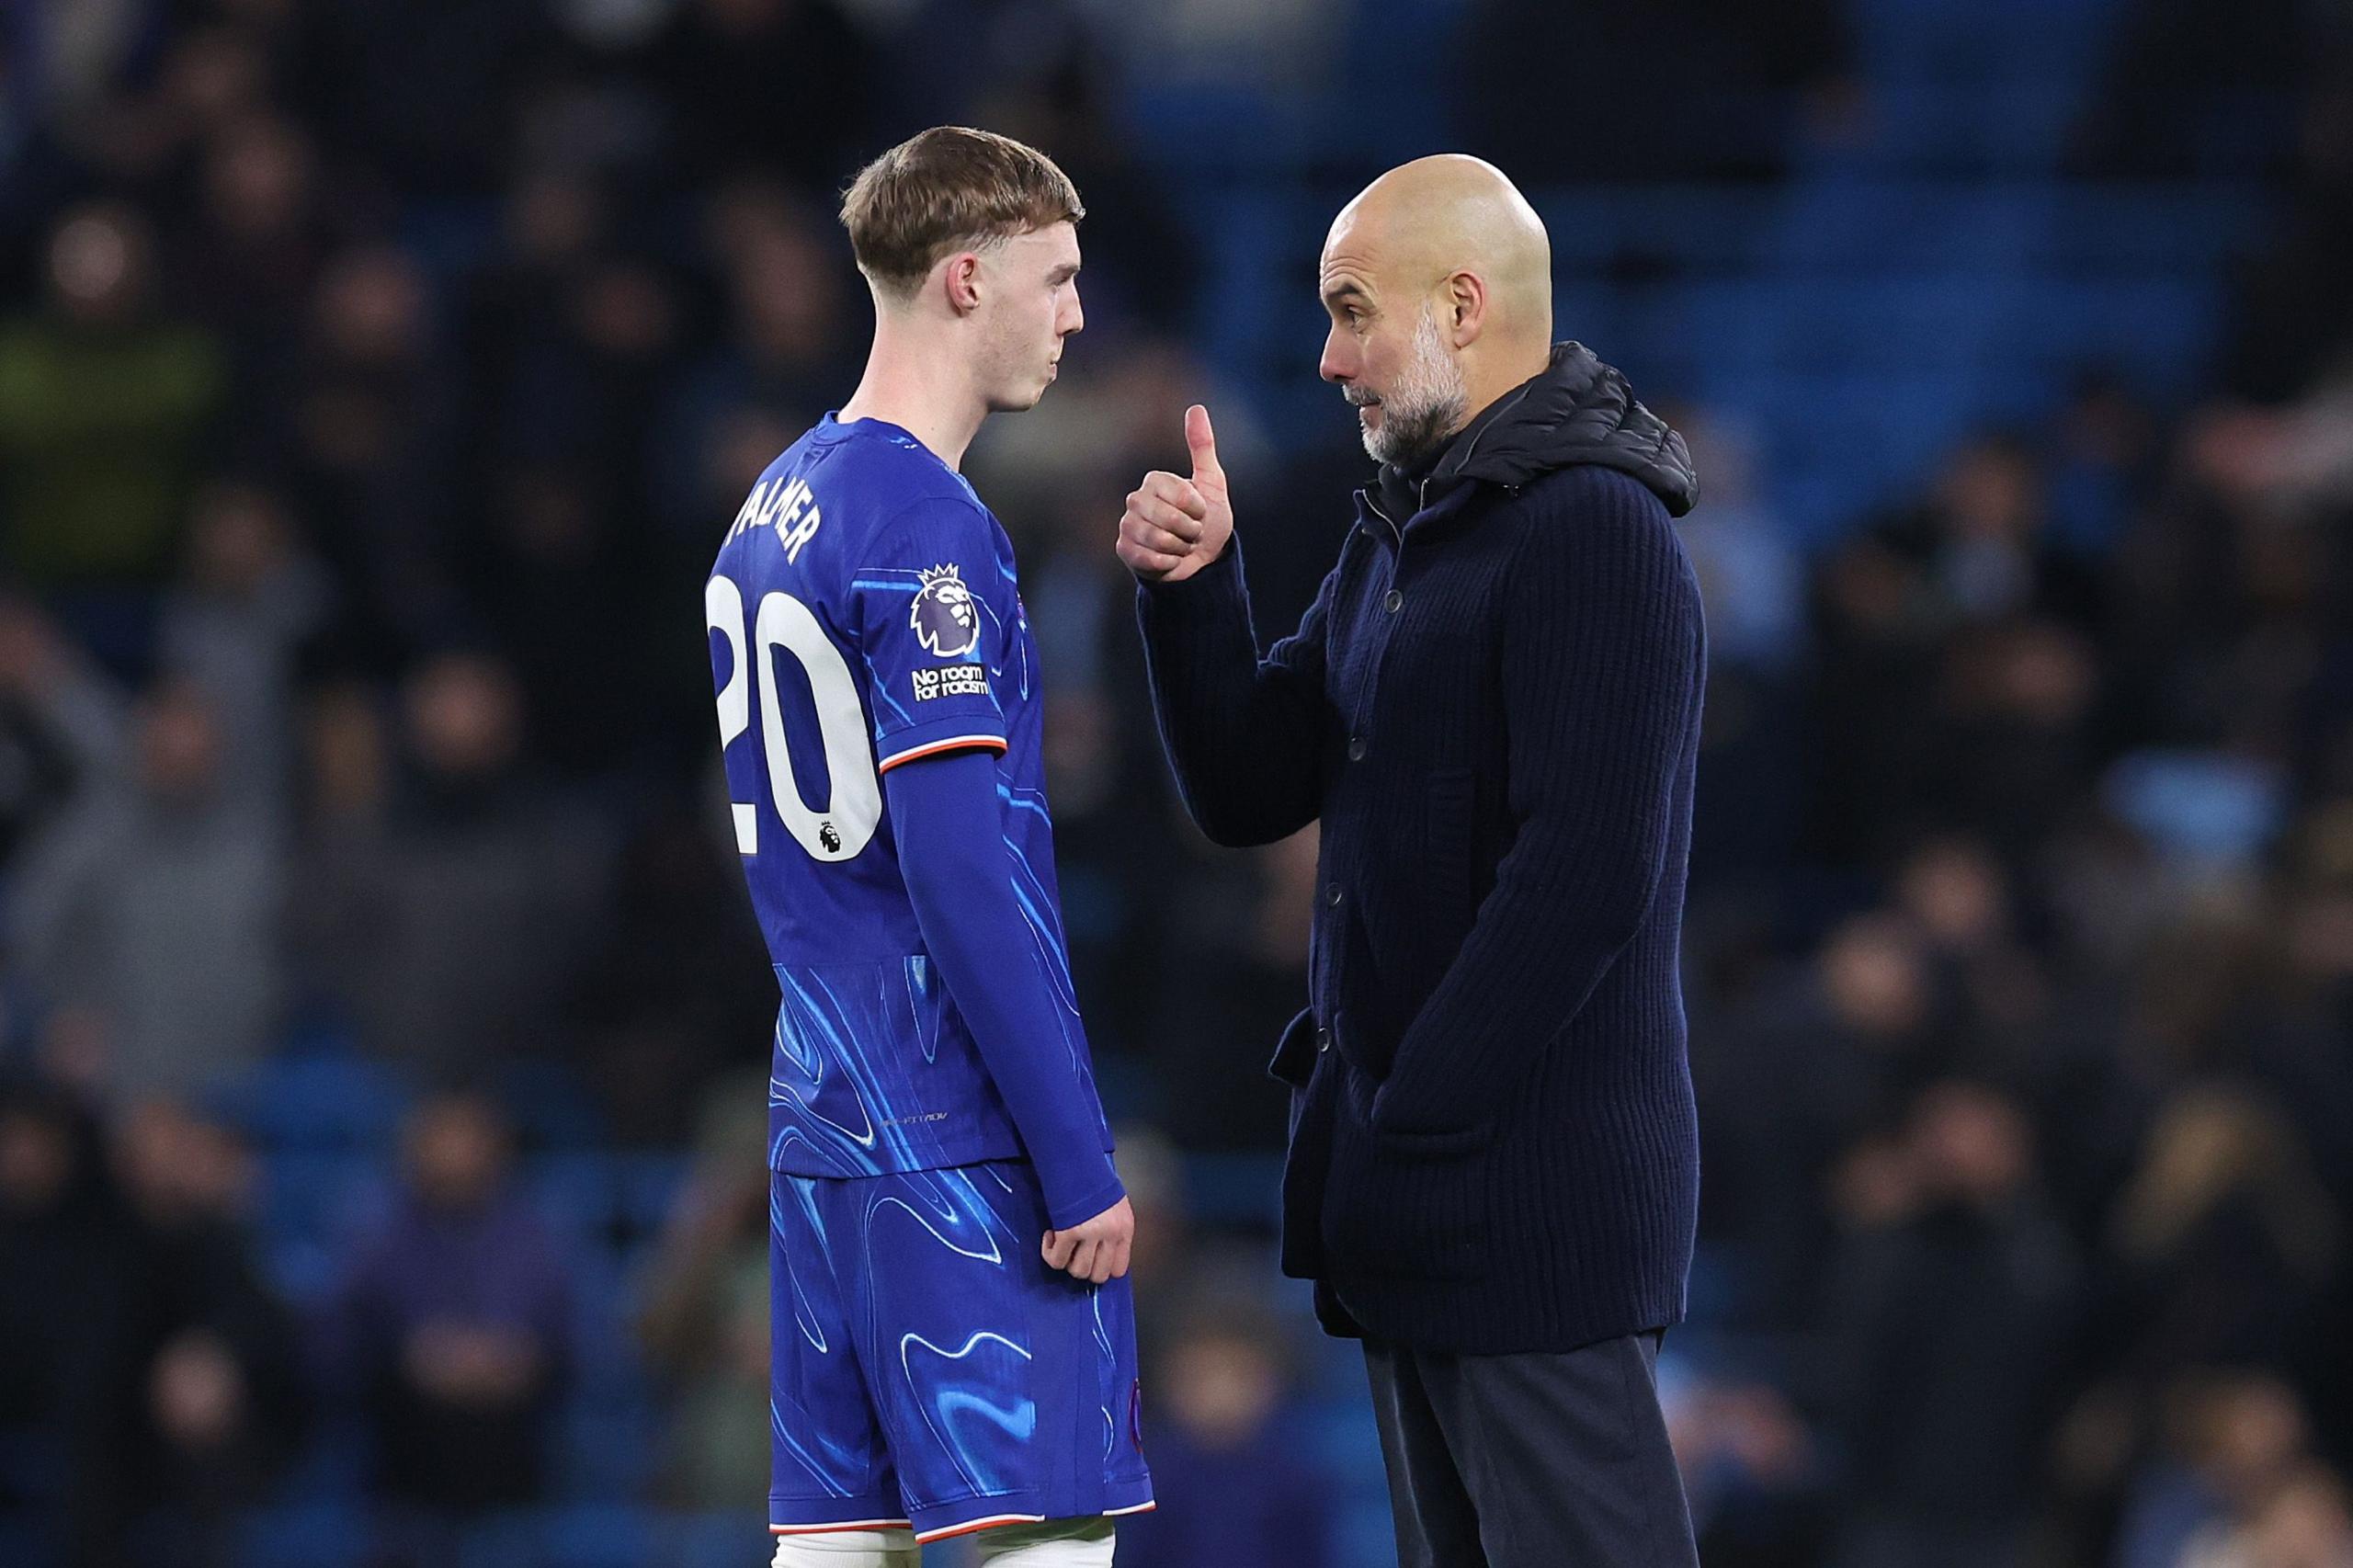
x=1430, y=219
x=1442, y=257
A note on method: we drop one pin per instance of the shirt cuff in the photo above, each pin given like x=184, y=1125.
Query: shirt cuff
x=1065, y=1208
x=1219, y=576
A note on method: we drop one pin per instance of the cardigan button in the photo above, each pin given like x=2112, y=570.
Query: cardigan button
x=1332, y=895
x=1393, y=601
x=1322, y=1040
x=1355, y=748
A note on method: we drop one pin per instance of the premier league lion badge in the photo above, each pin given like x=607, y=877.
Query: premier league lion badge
x=945, y=621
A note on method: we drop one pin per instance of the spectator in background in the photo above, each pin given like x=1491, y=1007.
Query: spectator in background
x=450, y=1329
x=1212, y=1038
x=1978, y=543
x=1793, y=1079
x=247, y=600
x=344, y=801
x=785, y=349
x=2292, y=317
x=1955, y=1302
x=39, y=769
x=154, y=891
x=1225, y=1459
x=1752, y=584
x=206, y=1400
x=1958, y=896
x=420, y=96
x=1952, y=681
x=676, y=983
x=582, y=384
x=717, y=66
x=458, y=918
x=2227, y=1236
x=739, y=400
x=1754, y=1471
x=2305, y=1522
x=246, y=262
x=361, y=425
x=554, y=222
x=2227, y=1441
x=553, y=550
x=705, y=1322
x=2102, y=453
x=68, y=1290
x=104, y=408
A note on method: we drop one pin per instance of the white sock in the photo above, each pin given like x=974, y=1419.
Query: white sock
x=850, y=1549
x=1057, y=1544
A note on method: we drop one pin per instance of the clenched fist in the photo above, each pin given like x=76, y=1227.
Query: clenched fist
x=1173, y=525
x=1094, y=1251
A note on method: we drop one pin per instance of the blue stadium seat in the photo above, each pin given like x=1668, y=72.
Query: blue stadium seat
x=2010, y=127
x=1702, y=229
x=324, y=1101
x=647, y=1188
x=711, y=1541
x=313, y=1204
x=579, y=1193
x=1979, y=40
x=322, y=1195
x=1194, y=124
x=2160, y=329
x=603, y=1454
x=598, y=1535
x=553, y=1109
x=305, y=1533
x=1234, y=1190
x=2149, y=230
x=1865, y=225
x=24, y=1545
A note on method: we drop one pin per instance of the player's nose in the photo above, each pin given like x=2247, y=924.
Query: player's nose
x=1338, y=364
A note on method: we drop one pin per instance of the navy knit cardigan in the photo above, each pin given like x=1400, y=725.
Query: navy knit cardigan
x=1492, y=710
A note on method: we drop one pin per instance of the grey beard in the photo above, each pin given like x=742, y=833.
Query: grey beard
x=1428, y=404
x=1407, y=437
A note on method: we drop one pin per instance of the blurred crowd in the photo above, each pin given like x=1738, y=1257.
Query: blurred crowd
x=375, y=379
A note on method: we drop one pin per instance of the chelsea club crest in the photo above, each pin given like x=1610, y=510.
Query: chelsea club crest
x=945, y=621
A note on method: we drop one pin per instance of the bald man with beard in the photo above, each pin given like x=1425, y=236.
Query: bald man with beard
x=1492, y=710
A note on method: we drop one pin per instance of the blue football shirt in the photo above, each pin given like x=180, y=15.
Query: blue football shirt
x=864, y=613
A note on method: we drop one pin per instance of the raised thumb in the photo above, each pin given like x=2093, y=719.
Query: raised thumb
x=1203, y=440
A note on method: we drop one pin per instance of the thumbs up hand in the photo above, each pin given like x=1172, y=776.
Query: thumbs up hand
x=1175, y=526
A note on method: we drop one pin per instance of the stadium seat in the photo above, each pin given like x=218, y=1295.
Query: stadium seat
x=603, y=1453
x=709, y=1540
x=552, y=1107
x=322, y=1101
x=598, y=1535
x=304, y=1533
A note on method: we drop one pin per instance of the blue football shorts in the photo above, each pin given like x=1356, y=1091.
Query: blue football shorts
x=928, y=1370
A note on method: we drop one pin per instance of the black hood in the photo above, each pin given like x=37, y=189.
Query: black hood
x=1577, y=411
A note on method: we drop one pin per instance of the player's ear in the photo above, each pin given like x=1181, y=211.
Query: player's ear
x=961, y=279
x=1463, y=308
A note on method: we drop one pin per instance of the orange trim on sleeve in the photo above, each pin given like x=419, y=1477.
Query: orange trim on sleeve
x=957, y=743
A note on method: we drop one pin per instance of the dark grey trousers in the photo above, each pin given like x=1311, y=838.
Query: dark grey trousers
x=1538, y=1460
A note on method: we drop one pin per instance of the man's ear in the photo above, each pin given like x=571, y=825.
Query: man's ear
x=961, y=279
x=1465, y=302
